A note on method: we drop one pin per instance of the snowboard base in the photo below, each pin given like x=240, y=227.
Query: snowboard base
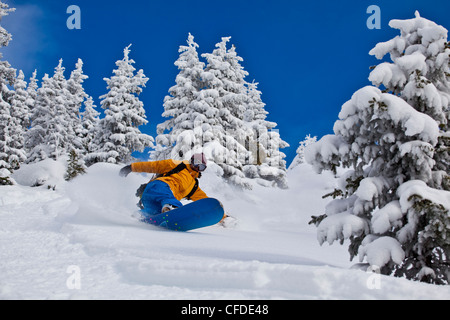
x=195, y=215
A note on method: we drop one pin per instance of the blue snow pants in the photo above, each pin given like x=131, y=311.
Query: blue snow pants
x=155, y=196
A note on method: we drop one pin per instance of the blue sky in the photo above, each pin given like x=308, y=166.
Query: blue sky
x=308, y=56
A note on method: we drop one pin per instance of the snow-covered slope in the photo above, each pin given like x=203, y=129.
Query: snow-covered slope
x=84, y=241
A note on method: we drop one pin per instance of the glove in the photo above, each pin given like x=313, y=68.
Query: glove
x=125, y=171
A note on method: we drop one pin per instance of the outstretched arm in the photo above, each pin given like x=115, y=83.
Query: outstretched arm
x=162, y=166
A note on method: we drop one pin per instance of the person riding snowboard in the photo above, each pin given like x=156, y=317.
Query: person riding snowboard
x=175, y=181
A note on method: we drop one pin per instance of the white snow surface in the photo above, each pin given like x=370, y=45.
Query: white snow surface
x=84, y=241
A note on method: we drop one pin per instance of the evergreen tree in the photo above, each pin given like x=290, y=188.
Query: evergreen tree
x=274, y=166
x=264, y=143
x=49, y=135
x=20, y=102
x=32, y=95
x=118, y=134
x=419, y=73
x=420, y=60
x=40, y=117
x=89, y=121
x=224, y=101
x=215, y=111
x=254, y=117
x=392, y=204
x=9, y=155
x=300, y=157
x=20, y=119
x=5, y=36
x=75, y=165
x=76, y=97
x=183, y=131
x=8, y=126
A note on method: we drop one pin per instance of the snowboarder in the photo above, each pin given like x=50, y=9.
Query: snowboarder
x=175, y=180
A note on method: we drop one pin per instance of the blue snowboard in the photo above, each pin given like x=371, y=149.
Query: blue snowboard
x=198, y=214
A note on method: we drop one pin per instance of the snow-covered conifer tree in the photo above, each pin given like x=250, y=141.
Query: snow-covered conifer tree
x=76, y=97
x=20, y=119
x=75, y=165
x=5, y=36
x=392, y=204
x=183, y=131
x=224, y=101
x=300, y=156
x=32, y=94
x=118, y=134
x=264, y=143
x=20, y=101
x=205, y=110
x=273, y=167
x=254, y=116
x=89, y=121
x=40, y=117
x=9, y=155
x=49, y=136
x=419, y=73
x=215, y=111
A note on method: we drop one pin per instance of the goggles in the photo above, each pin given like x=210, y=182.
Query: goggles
x=200, y=167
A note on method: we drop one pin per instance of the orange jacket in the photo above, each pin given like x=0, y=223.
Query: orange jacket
x=180, y=183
